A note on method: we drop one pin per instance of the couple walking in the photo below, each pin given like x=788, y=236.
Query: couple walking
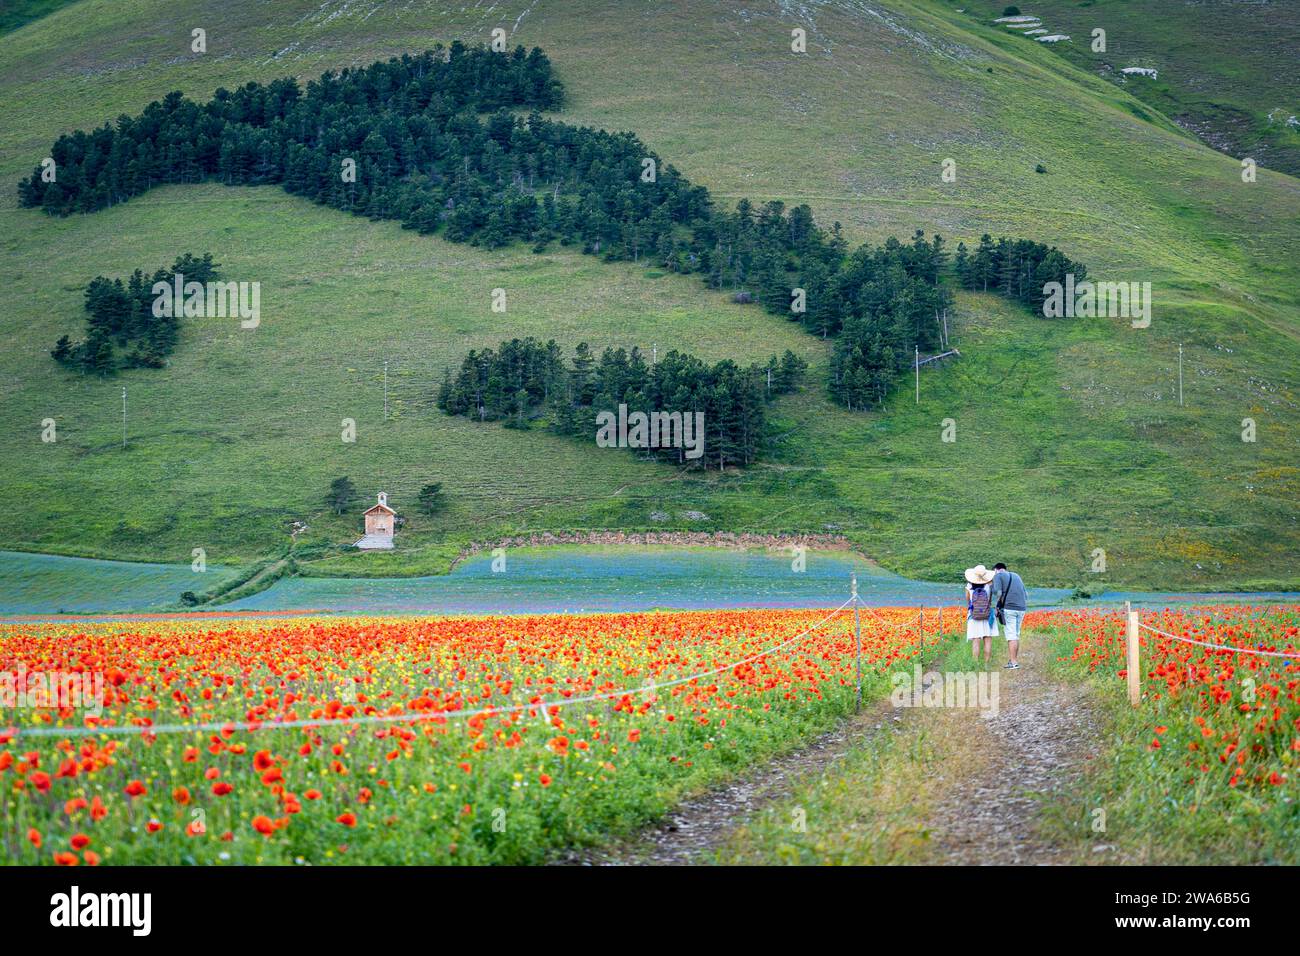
x=992, y=598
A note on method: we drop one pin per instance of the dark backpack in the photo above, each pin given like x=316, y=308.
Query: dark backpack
x=979, y=601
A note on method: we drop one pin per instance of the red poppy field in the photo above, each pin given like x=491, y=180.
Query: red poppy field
x=1205, y=769
x=403, y=740
x=1229, y=713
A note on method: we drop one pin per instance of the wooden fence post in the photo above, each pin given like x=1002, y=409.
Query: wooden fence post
x=1134, y=657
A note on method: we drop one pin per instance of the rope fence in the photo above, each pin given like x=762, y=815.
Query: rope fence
x=1220, y=647
x=544, y=707
x=1133, y=666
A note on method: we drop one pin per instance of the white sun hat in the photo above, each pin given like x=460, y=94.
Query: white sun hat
x=979, y=575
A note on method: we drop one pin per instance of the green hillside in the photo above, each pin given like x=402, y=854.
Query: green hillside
x=1219, y=66
x=17, y=13
x=1069, y=432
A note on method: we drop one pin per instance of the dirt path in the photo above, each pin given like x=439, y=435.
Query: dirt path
x=696, y=829
x=990, y=790
x=980, y=800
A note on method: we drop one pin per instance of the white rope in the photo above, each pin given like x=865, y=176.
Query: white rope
x=1219, y=647
x=543, y=706
x=886, y=620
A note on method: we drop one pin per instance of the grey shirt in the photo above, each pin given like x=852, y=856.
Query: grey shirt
x=1010, y=582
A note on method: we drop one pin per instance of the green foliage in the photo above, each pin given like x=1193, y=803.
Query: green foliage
x=402, y=140
x=524, y=378
x=342, y=495
x=1017, y=269
x=123, y=314
x=431, y=498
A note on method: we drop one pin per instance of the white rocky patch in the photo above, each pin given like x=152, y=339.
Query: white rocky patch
x=1054, y=38
x=1140, y=71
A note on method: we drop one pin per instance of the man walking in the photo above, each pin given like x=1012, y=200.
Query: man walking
x=1009, y=596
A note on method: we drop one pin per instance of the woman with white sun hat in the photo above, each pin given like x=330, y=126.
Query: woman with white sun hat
x=980, y=619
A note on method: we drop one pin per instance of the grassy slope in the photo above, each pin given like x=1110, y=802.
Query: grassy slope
x=1220, y=64
x=18, y=13
x=1072, y=427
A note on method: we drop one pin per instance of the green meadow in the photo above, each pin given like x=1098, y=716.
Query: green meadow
x=1070, y=436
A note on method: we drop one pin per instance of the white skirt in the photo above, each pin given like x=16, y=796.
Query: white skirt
x=981, y=627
